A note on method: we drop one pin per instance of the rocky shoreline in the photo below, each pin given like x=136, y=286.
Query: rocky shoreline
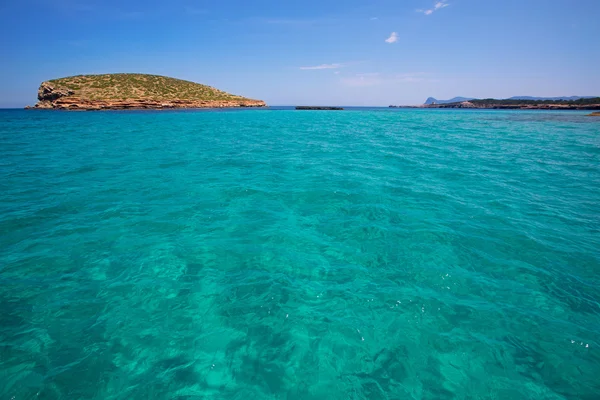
x=57, y=98
x=139, y=104
x=493, y=106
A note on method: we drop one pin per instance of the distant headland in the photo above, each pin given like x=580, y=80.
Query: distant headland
x=519, y=103
x=432, y=100
x=133, y=91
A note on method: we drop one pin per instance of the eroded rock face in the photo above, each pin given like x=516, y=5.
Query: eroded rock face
x=49, y=92
x=75, y=103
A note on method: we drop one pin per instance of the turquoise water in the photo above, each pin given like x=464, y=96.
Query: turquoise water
x=261, y=254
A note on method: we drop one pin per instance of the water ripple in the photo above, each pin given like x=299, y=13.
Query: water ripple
x=370, y=254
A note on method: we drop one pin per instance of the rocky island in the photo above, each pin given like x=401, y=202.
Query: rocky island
x=133, y=91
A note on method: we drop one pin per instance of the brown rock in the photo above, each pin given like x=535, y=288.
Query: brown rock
x=48, y=92
x=75, y=103
x=44, y=104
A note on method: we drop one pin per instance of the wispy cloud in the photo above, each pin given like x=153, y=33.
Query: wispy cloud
x=367, y=74
x=373, y=18
x=323, y=66
x=362, y=80
x=393, y=38
x=376, y=79
x=438, y=5
x=410, y=77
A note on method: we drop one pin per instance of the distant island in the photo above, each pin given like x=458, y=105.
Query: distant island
x=583, y=103
x=432, y=100
x=515, y=103
x=133, y=91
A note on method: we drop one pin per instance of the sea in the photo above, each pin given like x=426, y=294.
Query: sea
x=370, y=253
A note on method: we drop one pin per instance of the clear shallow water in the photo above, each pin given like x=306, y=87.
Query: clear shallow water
x=375, y=254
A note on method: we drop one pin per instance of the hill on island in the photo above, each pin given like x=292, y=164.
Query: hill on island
x=431, y=100
x=122, y=91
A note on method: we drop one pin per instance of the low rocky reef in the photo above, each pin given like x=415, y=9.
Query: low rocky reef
x=317, y=108
x=594, y=114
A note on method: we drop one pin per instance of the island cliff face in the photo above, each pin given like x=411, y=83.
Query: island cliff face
x=133, y=91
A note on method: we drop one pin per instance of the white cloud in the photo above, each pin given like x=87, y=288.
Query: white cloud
x=373, y=18
x=438, y=5
x=323, y=66
x=393, y=38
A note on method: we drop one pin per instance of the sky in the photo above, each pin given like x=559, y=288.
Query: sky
x=310, y=52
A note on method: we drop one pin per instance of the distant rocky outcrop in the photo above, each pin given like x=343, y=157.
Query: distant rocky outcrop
x=133, y=91
x=431, y=100
x=566, y=98
x=589, y=103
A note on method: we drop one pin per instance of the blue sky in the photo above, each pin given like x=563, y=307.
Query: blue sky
x=311, y=51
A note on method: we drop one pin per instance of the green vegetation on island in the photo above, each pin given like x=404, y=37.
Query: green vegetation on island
x=135, y=86
x=129, y=90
